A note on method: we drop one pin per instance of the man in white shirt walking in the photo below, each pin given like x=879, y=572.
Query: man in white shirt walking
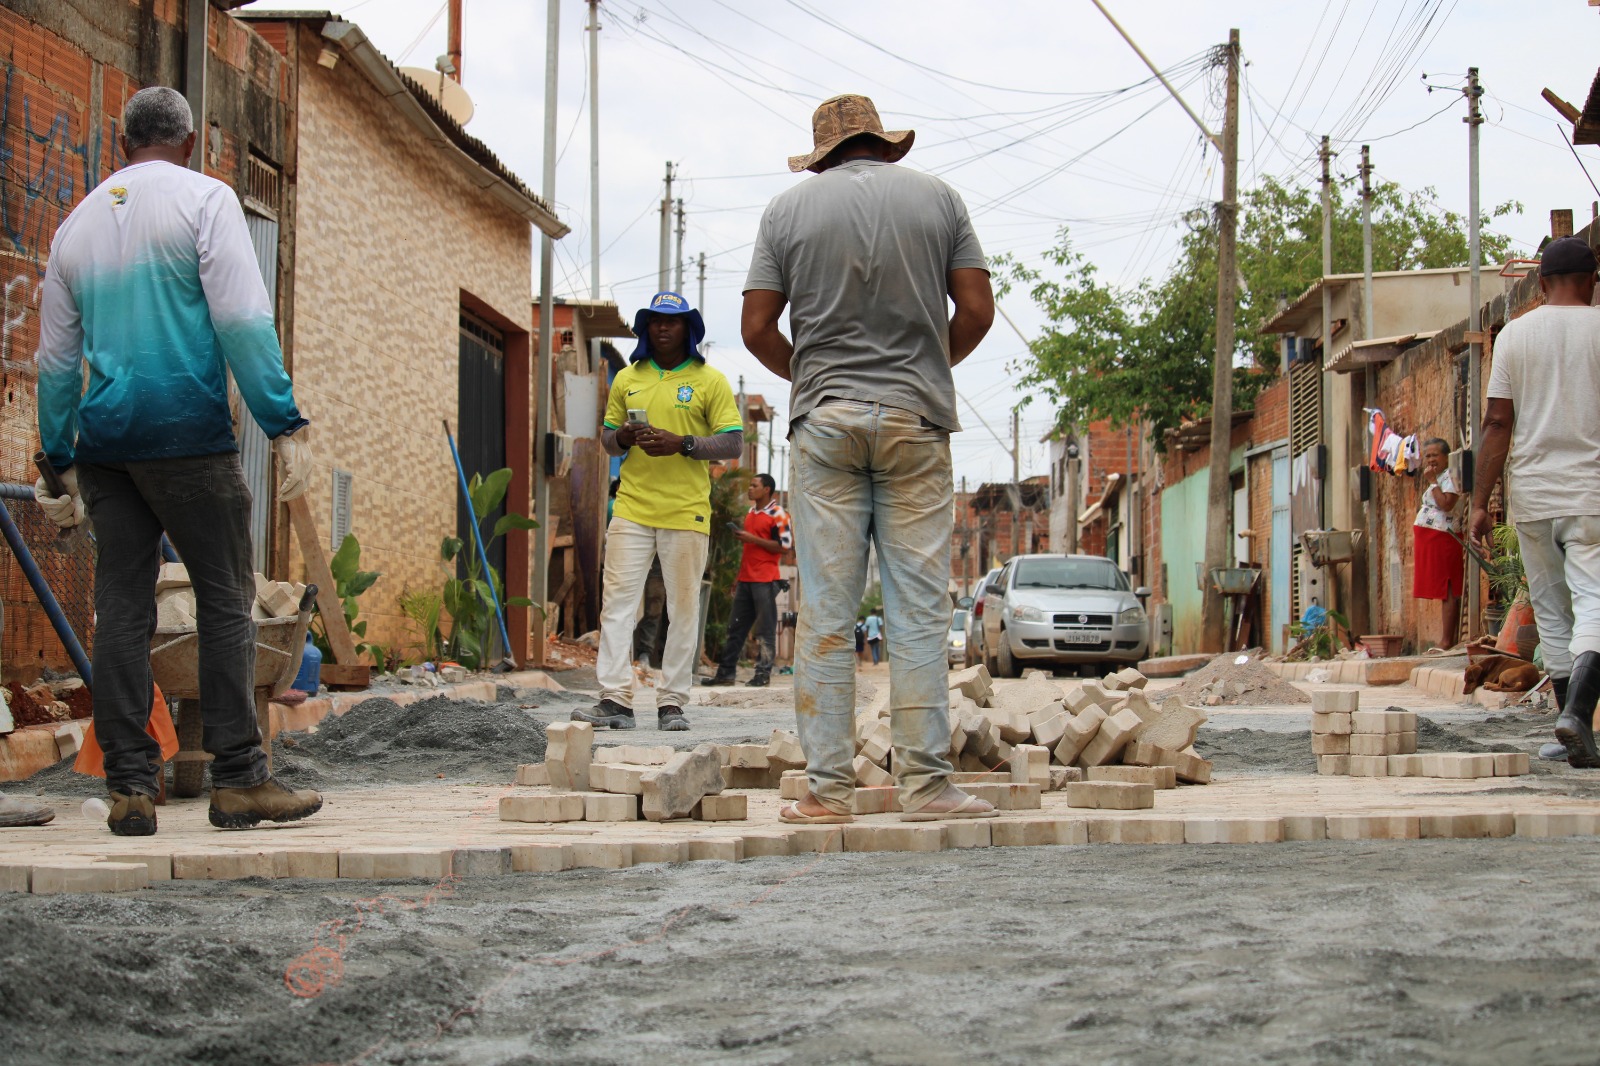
x=1544, y=392
x=152, y=284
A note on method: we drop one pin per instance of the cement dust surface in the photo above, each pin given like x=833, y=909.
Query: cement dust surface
x=1259, y=684
x=1430, y=951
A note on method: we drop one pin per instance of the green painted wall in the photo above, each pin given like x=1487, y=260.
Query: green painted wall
x=1183, y=544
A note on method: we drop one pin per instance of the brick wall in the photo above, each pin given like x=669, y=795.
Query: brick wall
x=389, y=238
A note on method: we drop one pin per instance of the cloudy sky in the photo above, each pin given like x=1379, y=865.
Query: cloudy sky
x=1035, y=110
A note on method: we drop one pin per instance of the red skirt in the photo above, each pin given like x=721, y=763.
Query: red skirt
x=1436, y=564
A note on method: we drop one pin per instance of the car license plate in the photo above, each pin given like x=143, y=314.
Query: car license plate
x=1081, y=637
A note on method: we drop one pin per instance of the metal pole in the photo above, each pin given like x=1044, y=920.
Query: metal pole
x=1473, y=120
x=700, y=304
x=540, y=592
x=1159, y=76
x=677, y=269
x=1016, y=478
x=663, y=274
x=744, y=421
x=1219, y=487
x=594, y=149
x=1369, y=381
x=453, y=48
x=194, y=84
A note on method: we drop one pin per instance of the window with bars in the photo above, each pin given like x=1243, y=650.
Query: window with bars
x=343, y=489
x=1305, y=435
x=263, y=183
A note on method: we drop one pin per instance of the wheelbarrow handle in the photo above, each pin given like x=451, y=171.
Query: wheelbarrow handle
x=308, y=598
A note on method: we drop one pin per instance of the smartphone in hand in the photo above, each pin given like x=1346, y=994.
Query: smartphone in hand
x=638, y=417
x=733, y=527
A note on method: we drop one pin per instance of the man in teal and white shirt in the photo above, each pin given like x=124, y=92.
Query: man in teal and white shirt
x=152, y=285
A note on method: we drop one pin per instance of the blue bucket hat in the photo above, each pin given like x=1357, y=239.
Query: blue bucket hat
x=667, y=303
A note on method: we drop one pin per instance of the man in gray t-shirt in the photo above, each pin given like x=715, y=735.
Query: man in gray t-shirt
x=865, y=255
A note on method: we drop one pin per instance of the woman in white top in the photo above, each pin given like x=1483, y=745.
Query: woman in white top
x=1437, y=558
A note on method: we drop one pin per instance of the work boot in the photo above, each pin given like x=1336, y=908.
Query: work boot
x=718, y=681
x=759, y=681
x=1575, y=729
x=1558, y=689
x=671, y=719
x=606, y=713
x=271, y=801
x=133, y=814
x=16, y=812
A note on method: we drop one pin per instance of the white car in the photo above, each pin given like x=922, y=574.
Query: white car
x=955, y=641
x=974, y=623
x=1062, y=610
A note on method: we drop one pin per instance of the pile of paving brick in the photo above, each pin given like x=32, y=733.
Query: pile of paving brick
x=175, y=606
x=1348, y=740
x=1103, y=743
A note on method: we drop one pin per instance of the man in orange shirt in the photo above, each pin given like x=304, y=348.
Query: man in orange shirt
x=766, y=537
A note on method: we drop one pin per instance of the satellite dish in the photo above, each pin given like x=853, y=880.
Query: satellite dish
x=446, y=92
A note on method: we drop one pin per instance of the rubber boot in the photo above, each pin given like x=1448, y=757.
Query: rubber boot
x=1575, y=729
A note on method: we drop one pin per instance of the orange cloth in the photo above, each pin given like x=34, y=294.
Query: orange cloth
x=92, y=761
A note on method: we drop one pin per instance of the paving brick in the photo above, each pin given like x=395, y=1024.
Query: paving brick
x=1331, y=744
x=569, y=751
x=1140, y=753
x=1373, y=827
x=1008, y=797
x=672, y=790
x=15, y=876
x=160, y=866
x=958, y=735
x=870, y=836
x=967, y=833
x=1129, y=678
x=608, y=807
x=981, y=736
x=222, y=864
x=817, y=839
x=1160, y=777
x=1338, y=722
x=744, y=777
x=1049, y=727
x=1062, y=776
x=880, y=799
x=1325, y=701
x=601, y=854
x=785, y=748
x=659, y=851
x=1191, y=769
x=1457, y=765
x=1370, y=722
x=555, y=807
x=1076, y=700
x=794, y=785
x=1558, y=824
x=1374, y=744
x=870, y=774
x=1111, y=795
x=974, y=682
x=533, y=773
x=1114, y=734
x=1037, y=832
x=766, y=843
x=1172, y=724
x=1465, y=825
x=1136, y=830
x=1405, y=766
x=483, y=860
x=1510, y=763
x=716, y=848
x=1015, y=726
x=541, y=858
x=1098, y=694
x=1408, y=743
x=392, y=863
x=1369, y=766
x=747, y=756
x=1304, y=827
x=319, y=863
x=1333, y=765
x=1030, y=764
x=985, y=777
x=85, y=875
x=732, y=807
x=1232, y=830
x=635, y=754
x=997, y=757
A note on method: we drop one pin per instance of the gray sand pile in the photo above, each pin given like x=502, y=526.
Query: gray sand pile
x=1238, y=751
x=379, y=742
x=1237, y=684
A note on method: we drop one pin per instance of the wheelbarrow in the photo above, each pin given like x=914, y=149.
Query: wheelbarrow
x=175, y=664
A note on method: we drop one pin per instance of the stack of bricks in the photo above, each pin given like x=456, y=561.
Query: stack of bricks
x=1348, y=740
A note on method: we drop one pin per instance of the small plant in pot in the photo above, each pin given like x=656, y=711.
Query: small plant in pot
x=1509, y=583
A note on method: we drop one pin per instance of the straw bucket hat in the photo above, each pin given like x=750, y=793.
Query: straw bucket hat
x=841, y=118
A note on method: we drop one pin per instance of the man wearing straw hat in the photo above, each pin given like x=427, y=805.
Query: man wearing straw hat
x=865, y=255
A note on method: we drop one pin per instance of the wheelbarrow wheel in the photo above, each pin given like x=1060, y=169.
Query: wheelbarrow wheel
x=188, y=775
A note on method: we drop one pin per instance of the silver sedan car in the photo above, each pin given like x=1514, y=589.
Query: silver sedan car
x=1062, y=610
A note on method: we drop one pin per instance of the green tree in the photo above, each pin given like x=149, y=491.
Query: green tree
x=1125, y=354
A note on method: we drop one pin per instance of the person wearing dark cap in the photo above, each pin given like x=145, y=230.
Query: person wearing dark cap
x=1544, y=392
x=670, y=414
x=867, y=257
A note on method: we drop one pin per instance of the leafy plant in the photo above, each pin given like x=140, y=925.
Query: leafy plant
x=425, y=607
x=470, y=600
x=1507, y=578
x=1320, y=641
x=728, y=504
x=350, y=582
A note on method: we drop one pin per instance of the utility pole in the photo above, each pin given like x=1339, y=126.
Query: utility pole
x=677, y=277
x=1369, y=381
x=1219, y=492
x=700, y=304
x=453, y=47
x=664, y=274
x=1474, y=119
x=594, y=149
x=1366, y=243
x=1016, y=478
x=966, y=537
x=540, y=592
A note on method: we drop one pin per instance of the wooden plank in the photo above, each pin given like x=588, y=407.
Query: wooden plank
x=346, y=675
x=328, y=602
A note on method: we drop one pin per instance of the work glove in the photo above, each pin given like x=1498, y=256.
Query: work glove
x=65, y=511
x=294, y=458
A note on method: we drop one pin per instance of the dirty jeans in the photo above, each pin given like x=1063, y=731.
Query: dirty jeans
x=630, y=547
x=755, y=606
x=1561, y=557
x=867, y=473
x=203, y=505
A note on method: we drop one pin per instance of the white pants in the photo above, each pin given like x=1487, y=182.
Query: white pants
x=630, y=548
x=1561, y=557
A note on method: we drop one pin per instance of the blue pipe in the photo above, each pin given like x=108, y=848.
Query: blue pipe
x=47, y=599
x=477, y=538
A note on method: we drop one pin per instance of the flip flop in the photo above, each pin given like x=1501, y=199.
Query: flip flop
x=790, y=812
x=960, y=810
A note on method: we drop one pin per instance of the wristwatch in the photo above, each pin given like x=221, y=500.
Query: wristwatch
x=688, y=446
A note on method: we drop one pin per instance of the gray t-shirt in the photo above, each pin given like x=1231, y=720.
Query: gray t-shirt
x=1547, y=363
x=863, y=252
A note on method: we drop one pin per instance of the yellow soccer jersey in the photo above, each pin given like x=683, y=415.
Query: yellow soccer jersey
x=670, y=491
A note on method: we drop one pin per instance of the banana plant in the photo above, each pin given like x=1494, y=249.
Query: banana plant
x=349, y=581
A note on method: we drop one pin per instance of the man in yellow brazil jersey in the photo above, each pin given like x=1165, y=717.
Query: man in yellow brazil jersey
x=670, y=414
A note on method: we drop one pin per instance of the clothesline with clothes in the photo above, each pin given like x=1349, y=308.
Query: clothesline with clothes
x=1388, y=451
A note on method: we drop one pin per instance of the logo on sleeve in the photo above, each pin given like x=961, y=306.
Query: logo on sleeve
x=119, y=195
x=685, y=393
